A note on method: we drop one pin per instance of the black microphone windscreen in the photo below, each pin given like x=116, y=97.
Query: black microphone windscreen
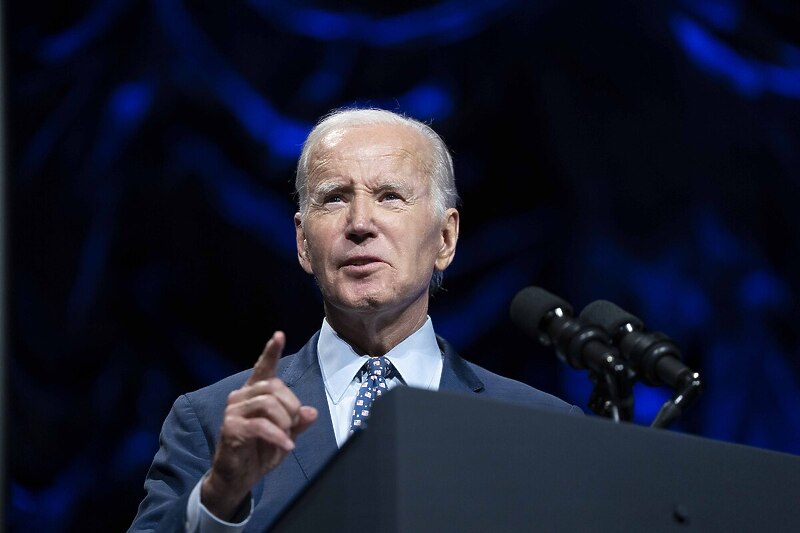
x=609, y=316
x=530, y=306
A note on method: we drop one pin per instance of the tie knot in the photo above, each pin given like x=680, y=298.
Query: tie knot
x=378, y=366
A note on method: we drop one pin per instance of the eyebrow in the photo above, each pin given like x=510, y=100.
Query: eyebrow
x=393, y=186
x=328, y=187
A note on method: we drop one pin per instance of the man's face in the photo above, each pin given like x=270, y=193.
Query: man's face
x=370, y=235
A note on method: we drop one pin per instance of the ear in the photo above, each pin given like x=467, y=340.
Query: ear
x=449, y=240
x=302, y=244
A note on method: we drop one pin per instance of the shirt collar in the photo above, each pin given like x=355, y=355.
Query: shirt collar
x=416, y=359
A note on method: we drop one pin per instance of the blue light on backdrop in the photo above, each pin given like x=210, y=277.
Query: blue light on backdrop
x=644, y=154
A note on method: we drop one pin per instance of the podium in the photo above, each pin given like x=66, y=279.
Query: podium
x=442, y=462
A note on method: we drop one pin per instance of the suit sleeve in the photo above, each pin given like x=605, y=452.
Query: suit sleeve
x=183, y=458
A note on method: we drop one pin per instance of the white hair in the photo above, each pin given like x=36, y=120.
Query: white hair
x=443, y=187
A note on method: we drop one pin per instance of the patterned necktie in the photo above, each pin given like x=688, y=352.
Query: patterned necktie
x=378, y=369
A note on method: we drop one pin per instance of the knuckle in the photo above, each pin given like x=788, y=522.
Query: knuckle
x=295, y=404
x=277, y=384
x=230, y=423
x=268, y=402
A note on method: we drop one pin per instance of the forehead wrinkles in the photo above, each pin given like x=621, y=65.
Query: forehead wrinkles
x=337, y=153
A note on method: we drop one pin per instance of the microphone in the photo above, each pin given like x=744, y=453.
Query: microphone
x=653, y=355
x=548, y=318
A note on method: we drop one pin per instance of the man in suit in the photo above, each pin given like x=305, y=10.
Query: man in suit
x=376, y=227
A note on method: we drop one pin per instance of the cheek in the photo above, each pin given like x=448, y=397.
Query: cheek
x=319, y=243
x=319, y=260
x=431, y=241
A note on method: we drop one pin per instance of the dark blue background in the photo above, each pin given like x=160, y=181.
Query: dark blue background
x=640, y=152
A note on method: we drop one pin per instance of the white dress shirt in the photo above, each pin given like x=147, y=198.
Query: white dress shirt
x=417, y=363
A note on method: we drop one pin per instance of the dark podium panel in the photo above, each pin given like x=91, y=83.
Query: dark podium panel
x=445, y=462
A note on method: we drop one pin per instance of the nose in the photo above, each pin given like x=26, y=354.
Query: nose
x=360, y=219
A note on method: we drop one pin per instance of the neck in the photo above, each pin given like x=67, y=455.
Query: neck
x=376, y=333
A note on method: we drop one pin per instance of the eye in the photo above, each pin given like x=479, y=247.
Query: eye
x=391, y=196
x=333, y=199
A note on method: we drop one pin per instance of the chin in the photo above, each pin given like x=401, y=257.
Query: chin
x=364, y=297
x=365, y=302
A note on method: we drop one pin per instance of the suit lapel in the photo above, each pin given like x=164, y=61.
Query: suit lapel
x=457, y=376
x=315, y=446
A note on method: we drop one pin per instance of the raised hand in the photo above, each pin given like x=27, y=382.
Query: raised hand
x=261, y=422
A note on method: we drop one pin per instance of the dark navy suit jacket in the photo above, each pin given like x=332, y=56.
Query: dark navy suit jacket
x=190, y=433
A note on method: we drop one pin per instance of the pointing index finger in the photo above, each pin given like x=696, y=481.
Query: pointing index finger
x=268, y=361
